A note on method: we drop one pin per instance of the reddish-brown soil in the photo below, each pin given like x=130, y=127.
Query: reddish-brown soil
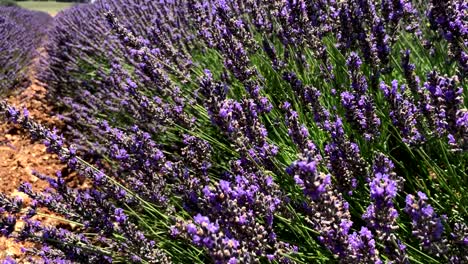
x=19, y=156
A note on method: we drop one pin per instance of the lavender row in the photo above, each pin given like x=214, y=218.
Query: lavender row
x=252, y=131
x=22, y=33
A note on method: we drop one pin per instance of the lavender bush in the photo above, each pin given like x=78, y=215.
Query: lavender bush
x=21, y=35
x=253, y=132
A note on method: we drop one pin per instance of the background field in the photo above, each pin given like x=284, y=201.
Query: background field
x=49, y=7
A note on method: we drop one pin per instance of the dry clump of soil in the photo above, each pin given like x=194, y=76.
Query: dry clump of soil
x=19, y=156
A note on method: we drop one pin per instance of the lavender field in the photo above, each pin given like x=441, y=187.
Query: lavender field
x=243, y=131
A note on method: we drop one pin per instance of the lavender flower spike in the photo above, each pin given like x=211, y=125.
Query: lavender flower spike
x=427, y=225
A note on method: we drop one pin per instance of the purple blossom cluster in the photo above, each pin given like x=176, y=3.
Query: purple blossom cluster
x=81, y=47
x=310, y=97
x=381, y=215
x=328, y=212
x=449, y=19
x=326, y=209
x=93, y=208
x=428, y=226
x=344, y=158
x=433, y=109
x=443, y=107
x=405, y=114
x=367, y=26
x=430, y=229
x=359, y=106
x=243, y=229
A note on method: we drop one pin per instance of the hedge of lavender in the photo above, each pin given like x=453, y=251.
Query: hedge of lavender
x=80, y=48
x=80, y=54
x=21, y=34
x=254, y=132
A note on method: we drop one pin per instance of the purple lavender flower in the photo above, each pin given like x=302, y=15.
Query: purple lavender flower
x=363, y=247
x=449, y=19
x=380, y=42
x=344, y=158
x=441, y=106
x=236, y=232
x=459, y=243
x=298, y=133
x=94, y=208
x=404, y=113
x=334, y=223
x=381, y=215
x=427, y=226
x=309, y=96
x=272, y=54
x=412, y=80
x=359, y=106
x=142, y=163
x=327, y=210
x=306, y=172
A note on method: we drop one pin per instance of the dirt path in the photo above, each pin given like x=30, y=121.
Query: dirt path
x=19, y=156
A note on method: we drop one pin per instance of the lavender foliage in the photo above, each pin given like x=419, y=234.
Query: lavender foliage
x=250, y=132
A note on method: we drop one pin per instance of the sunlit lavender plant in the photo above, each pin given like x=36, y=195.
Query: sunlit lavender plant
x=250, y=131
